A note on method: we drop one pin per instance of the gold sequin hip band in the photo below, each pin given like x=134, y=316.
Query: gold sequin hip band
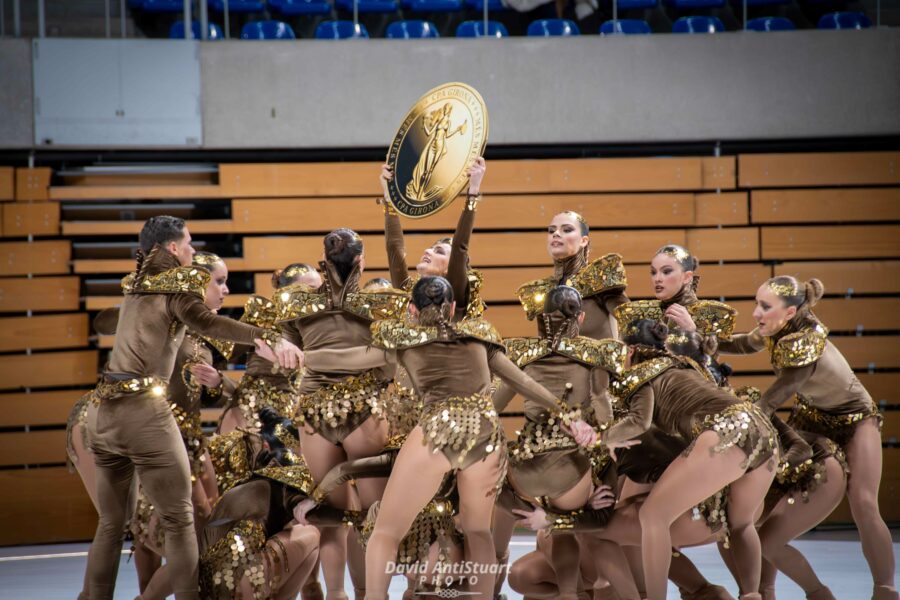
x=745, y=426
x=837, y=427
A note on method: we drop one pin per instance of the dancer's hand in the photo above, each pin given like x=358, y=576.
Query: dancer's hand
x=583, y=433
x=681, y=317
x=535, y=520
x=614, y=445
x=476, y=174
x=603, y=496
x=386, y=175
x=285, y=354
x=302, y=508
x=206, y=375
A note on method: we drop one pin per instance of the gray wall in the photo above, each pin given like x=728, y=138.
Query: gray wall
x=16, y=107
x=732, y=86
x=589, y=89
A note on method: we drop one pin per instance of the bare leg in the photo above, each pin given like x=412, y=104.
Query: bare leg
x=611, y=563
x=368, y=440
x=477, y=492
x=533, y=576
x=302, y=545
x=416, y=477
x=504, y=525
x=231, y=420
x=787, y=521
x=356, y=561
x=147, y=563
x=321, y=455
x=564, y=555
x=688, y=480
x=864, y=459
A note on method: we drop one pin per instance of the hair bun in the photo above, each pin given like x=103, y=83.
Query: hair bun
x=659, y=331
x=815, y=289
x=334, y=243
x=269, y=417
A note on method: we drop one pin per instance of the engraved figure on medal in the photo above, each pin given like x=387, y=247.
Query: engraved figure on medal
x=436, y=125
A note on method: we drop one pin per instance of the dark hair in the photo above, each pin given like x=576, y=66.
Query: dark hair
x=290, y=274
x=681, y=255
x=377, y=281
x=795, y=292
x=687, y=343
x=647, y=333
x=564, y=299
x=270, y=419
x=342, y=246
x=160, y=230
x=431, y=291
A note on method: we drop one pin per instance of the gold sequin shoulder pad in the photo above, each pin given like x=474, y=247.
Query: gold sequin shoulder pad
x=638, y=309
x=296, y=477
x=231, y=458
x=297, y=301
x=226, y=349
x=713, y=318
x=479, y=329
x=525, y=350
x=801, y=348
x=532, y=295
x=128, y=283
x=259, y=311
x=376, y=305
x=630, y=381
x=607, y=353
x=601, y=275
x=180, y=280
x=396, y=334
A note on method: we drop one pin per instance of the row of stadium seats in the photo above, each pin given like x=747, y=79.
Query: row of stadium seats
x=418, y=29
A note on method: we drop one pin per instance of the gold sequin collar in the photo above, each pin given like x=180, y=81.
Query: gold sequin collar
x=177, y=280
x=606, y=353
x=798, y=349
x=710, y=317
x=300, y=301
x=296, y=476
x=393, y=334
x=623, y=387
x=598, y=276
x=259, y=311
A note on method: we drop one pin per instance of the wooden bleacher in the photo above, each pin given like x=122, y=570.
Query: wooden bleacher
x=835, y=216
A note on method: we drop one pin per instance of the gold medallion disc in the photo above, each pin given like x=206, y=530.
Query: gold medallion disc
x=437, y=142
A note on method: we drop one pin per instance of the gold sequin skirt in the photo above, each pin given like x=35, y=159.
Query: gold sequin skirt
x=745, y=426
x=194, y=439
x=464, y=429
x=799, y=481
x=433, y=525
x=402, y=409
x=238, y=554
x=714, y=512
x=545, y=460
x=145, y=526
x=77, y=417
x=335, y=410
x=254, y=393
x=837, y=427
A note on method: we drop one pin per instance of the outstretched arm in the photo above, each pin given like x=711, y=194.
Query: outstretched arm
x=393, y=234
x=458, y=267
x=350, y=360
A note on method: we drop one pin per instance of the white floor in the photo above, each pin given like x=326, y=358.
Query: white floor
x=54, y=572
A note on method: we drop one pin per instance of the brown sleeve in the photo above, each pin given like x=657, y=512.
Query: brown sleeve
x=360, y=468
x=613, y=299
x=396, y=250
x=600, y=401
x=742, y=343
x=796, y=450
x=458, y=267
x=106, y=321
x=786, y=385
x=506, y=369
x=503, y=396
x=350, y=360
x=212, y=398
x=638, y=419
x=191, y=311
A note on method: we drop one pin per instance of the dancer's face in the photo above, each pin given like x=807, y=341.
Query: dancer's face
x=435, y=260
x=217, y=288
x=771, y=313
x=564, y=237
x=668, y=277
x=182, y=249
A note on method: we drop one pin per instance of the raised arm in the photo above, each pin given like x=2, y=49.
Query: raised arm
x=393, y=235
x=636, y=422
x=458, y=267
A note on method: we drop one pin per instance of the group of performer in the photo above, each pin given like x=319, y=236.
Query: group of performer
x=365, y=432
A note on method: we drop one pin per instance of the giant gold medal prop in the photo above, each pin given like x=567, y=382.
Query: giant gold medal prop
x=437, y=142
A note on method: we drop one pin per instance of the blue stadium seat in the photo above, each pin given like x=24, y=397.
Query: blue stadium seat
x=637, y=4
x=213, y=31
x=432, y=5
x=341, y=30
x=698, y=25
x=770, y=24
x=238, y=6
x=767, y=2
x=553, y=27
x=301, y=7
x=411, y=29
x=162, y=6
x=624, y=26
x=685, y=4
x=493, y=5
x=369, y=6
x=471, y=29
x=844, y=20
x=267, y=30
